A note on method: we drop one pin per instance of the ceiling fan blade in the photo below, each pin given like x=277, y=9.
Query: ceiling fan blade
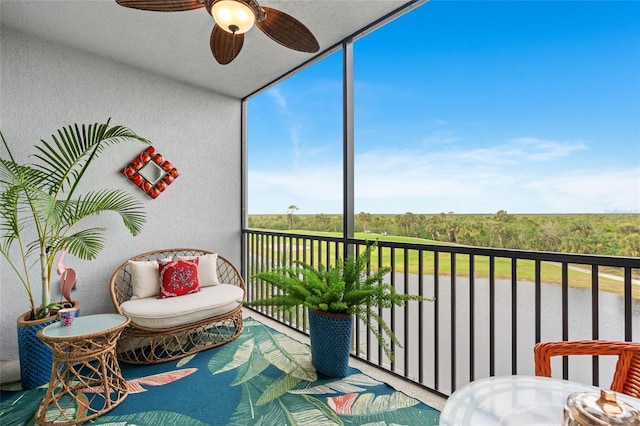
x=161, y=5
x=224, y=45
x=288, y=31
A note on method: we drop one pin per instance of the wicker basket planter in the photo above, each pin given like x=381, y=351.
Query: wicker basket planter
x=35, y=357
x=330, y=336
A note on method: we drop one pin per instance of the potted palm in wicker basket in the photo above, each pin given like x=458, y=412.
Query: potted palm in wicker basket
x=334, y=296
x=39, y=217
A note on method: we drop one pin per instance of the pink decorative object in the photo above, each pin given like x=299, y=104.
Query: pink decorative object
x=67, y=277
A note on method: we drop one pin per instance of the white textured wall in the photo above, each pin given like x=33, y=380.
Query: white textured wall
x=45, y=86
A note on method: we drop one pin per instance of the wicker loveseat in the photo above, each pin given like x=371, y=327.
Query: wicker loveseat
x=166, y=329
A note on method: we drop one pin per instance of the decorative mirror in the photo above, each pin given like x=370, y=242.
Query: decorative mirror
x=150, y=172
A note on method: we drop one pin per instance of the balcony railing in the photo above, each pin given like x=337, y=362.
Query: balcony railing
x=491, y=305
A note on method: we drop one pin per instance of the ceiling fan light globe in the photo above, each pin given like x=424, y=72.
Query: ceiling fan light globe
x=233, y=16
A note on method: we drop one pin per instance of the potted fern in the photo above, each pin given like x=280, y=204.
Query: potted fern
x=40, y=214
x=334, y=295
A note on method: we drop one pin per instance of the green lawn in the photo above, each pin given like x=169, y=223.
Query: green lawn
x=550, y=272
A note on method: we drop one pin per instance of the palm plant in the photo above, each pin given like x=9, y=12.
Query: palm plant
x=349, y=288
x=39, y=200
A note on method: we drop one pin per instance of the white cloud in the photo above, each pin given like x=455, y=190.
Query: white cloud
x=542, y=150
x=319, y=182
x=597, y=191
x=524, y=175
x=521, y=150
x=278, y=98
x=489, y=179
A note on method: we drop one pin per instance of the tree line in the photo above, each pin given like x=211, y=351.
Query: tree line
x=604, y=234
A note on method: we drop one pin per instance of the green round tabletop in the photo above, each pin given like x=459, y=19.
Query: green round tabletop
x=84, y=325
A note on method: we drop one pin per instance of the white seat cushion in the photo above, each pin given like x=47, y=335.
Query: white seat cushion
x=163, y=313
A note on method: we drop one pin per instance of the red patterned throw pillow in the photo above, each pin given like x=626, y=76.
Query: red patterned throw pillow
x=178, y=277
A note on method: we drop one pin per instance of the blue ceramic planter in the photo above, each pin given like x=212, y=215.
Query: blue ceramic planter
x=330, y=336
x=35, y=357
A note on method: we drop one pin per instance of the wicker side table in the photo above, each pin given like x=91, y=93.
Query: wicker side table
x=86, y=381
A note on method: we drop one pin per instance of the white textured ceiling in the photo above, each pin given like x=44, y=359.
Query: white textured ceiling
x=176, y=44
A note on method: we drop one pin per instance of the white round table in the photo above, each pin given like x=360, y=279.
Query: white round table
x=514, y=400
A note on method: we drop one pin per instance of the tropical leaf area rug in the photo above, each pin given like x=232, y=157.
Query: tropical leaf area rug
x=262, y=378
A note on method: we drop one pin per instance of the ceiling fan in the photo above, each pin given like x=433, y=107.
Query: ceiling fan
x=235, y=17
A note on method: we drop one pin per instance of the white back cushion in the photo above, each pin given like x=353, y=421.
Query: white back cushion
x=145, y=278
x=207, y=268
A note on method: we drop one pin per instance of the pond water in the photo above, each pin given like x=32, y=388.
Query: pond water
x=611, y=327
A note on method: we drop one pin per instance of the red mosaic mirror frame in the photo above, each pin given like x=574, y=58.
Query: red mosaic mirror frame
x=150, y=172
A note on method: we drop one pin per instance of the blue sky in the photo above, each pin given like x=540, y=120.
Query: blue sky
x=470, y=107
